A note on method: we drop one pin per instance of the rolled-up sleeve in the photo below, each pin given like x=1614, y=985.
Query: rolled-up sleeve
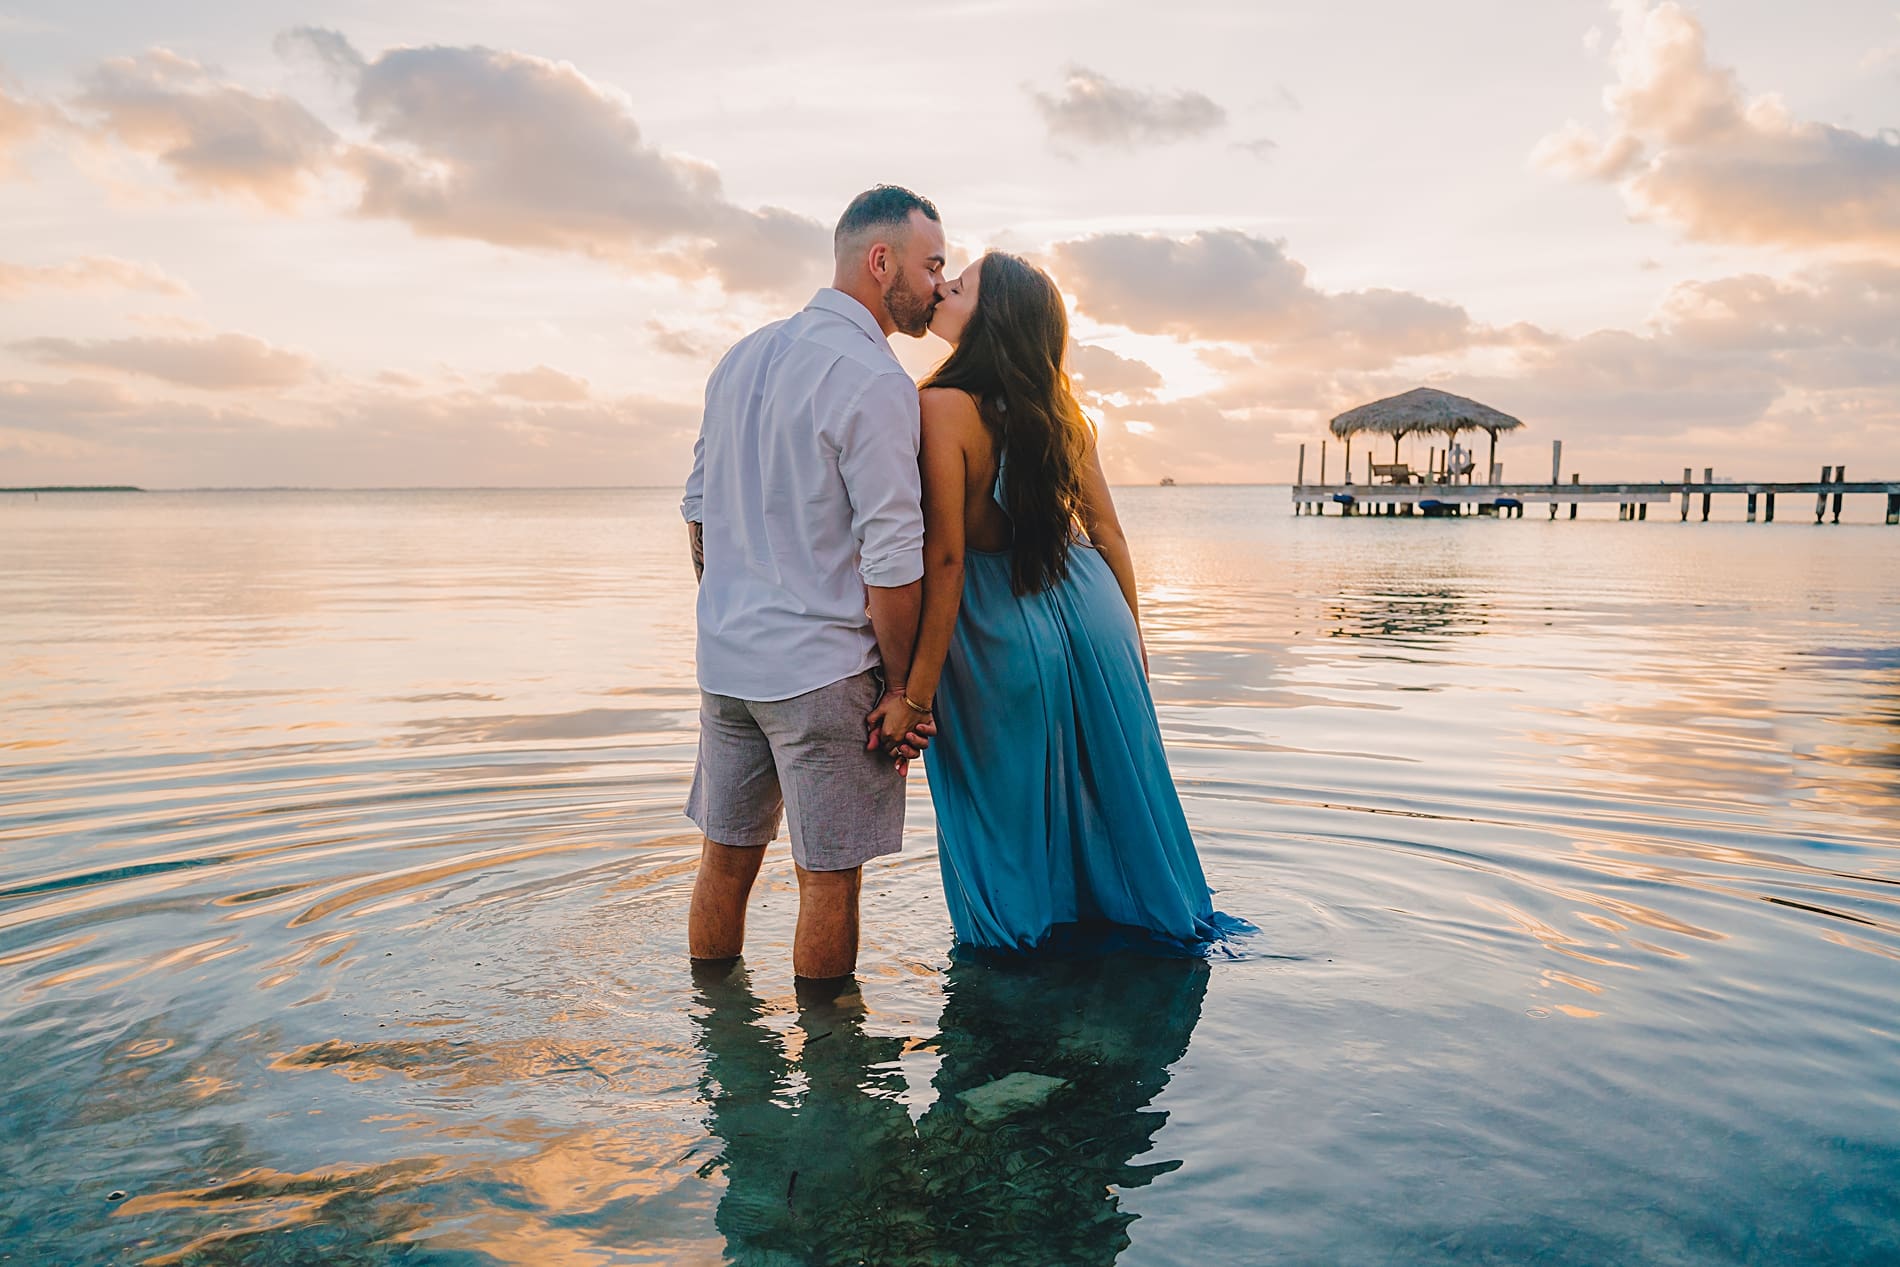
x=693, y=505
x=877, y=457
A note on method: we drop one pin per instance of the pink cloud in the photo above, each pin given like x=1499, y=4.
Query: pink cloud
x=89, y=272
x=508, y=148
x=224, y=362
x=542, y=384
x=379, y=432
x=1687, y=147
x=214, y=137
x=1228, y=286
x=1094, y=110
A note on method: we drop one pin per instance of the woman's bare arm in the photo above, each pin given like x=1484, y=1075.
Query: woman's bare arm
x=1105, y=530
x=950, y=421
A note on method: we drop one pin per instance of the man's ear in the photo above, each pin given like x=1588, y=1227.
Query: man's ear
x=880, y=260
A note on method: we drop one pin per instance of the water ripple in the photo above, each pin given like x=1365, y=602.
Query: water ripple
x=342, y=898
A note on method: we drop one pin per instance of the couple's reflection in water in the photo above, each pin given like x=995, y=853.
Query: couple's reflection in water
x=824, y=1164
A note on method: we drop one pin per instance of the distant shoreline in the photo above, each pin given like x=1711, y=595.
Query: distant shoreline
x=464, y=488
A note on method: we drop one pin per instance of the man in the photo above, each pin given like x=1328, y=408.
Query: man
x=803, y=510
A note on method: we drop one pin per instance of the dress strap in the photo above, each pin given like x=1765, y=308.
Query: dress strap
x=999, y=491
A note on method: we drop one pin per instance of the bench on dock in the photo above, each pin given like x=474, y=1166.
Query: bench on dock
x=1394, y=473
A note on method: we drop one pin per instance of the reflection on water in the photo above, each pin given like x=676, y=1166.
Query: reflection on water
x=1405, y=614
x=1045, y=1077
x=342, y=891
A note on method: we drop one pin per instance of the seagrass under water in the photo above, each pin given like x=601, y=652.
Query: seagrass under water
x=342, y=890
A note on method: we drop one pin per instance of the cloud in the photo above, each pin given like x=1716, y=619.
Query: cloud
x=1687, y=147
x=515, y=150
x=694, y=345
x=1758, y=374
x=1198, y=439
x=1224, y=285
x=331, y=50
x=1095, y=110
x=542, y=384
x=89, y=272
x=473, y=143
x=1750, y=372
x=214, y=137
x=1097, y=374
x=84, y=431
x=224, y=362
x=350, y=434
x=20, y=122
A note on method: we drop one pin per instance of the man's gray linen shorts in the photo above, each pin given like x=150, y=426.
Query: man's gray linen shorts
x=804, y=755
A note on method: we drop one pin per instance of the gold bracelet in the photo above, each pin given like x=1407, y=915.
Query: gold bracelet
x=914, y=706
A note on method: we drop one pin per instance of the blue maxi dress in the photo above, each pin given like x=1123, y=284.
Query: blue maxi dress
x=1058, y=826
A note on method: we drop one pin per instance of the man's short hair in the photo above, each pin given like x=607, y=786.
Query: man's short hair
x=881, y=207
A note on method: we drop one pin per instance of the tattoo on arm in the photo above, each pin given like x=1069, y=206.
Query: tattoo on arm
x=696, y=534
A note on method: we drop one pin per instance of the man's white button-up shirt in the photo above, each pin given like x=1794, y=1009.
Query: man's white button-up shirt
x=805, y=483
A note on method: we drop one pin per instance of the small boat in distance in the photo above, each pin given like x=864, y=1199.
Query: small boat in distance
x=1167, y=481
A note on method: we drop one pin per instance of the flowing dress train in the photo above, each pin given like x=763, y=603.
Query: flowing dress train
x=1058, y=824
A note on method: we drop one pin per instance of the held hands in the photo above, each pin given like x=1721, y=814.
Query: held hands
x=902, y=731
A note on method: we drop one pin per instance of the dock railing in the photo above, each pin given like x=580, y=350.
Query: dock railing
x=1633, y=499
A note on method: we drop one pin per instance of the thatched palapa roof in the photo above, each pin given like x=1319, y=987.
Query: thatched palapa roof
x=1423, y=409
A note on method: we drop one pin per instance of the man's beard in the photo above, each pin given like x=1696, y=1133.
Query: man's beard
x=910, y=311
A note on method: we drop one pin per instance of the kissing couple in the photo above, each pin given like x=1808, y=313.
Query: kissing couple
x=885, y=568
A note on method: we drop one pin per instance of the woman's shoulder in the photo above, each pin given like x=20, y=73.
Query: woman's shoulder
x=949, y=409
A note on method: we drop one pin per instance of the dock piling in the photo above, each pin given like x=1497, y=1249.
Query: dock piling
x=1757, y=498
x=1687, y=475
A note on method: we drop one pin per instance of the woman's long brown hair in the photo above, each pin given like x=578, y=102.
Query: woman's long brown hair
x=1010, y=361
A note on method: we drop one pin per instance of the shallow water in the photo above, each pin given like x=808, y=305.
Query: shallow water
x=343, y=884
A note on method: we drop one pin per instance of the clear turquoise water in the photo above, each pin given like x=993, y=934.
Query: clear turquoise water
x=342, y=891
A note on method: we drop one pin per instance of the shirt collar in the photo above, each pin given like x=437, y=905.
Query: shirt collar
x=836, y=301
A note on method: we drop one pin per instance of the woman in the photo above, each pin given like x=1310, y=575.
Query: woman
x=1057, y=821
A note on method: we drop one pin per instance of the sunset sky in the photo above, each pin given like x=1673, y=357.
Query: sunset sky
x=499, y=243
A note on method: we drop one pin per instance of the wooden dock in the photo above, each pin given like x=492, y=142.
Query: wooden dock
x=1436, y=498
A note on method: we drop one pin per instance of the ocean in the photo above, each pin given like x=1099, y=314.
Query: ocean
x=343, y=885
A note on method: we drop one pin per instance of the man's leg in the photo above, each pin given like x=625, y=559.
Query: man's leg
x=715, y=925
x=737, y=803
x=826, y=944
x=845, y=806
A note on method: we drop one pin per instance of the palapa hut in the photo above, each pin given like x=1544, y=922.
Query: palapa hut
x=1423, y=409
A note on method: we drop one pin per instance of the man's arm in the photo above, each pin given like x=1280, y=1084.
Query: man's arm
x=877, y=458
x=693, y=505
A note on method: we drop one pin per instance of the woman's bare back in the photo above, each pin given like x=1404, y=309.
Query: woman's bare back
x=985, y=526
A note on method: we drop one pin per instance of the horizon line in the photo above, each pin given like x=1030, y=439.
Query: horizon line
x=495, y=488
